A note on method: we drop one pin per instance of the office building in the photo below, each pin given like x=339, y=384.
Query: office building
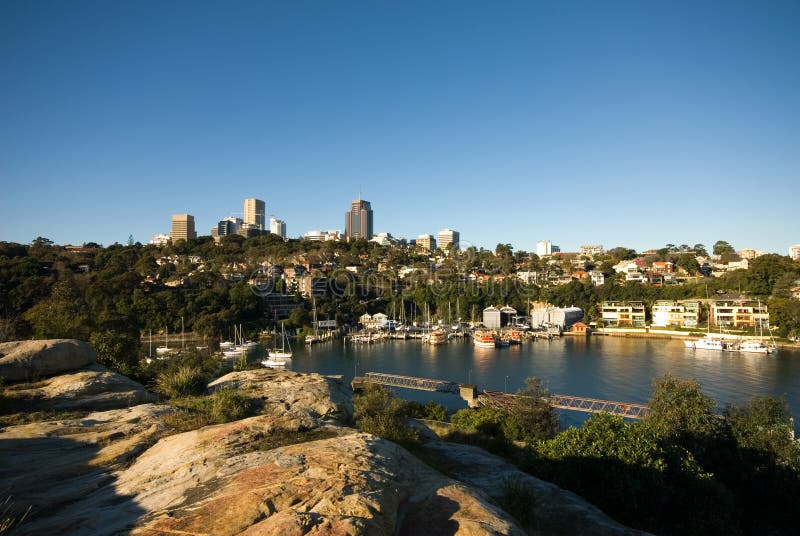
x=358, y=220
x=182, y=227
x=545, y=247
x=277, y=227
x=794, y=252
x=448, y=238
x=254, y=210
x=426, y=243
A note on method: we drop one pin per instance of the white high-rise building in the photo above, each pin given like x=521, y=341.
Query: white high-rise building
x=794, y=252
x=277, y=227
x=448, y=237
x=544, y=247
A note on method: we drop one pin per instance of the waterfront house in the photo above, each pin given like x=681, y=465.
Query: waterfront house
x=623, y=314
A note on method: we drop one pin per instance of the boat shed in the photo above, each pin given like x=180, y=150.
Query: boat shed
x=559, y=317
x=507, y=316
x=491, y=317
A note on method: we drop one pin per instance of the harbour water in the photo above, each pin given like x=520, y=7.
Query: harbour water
x=608, y=368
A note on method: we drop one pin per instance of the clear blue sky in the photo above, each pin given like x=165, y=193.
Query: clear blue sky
x=630, y=124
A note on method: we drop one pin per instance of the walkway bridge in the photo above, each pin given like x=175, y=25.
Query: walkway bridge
x=475, y=398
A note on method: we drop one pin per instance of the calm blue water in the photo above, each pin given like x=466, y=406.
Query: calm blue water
x=609, y=368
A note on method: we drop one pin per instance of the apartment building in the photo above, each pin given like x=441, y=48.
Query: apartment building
x=738, y=311
x=623, y=314
x=684, y=313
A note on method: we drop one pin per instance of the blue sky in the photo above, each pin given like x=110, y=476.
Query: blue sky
x=630, y=124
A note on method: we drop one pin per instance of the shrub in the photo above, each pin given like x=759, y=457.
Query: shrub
x=379, y=412
x=429, y=411
x=185, y=381
x=228, y=405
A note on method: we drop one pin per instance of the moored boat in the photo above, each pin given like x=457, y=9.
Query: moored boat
x=484, y=339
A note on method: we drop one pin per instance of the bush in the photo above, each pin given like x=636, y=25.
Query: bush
x=379, y=412
x=228, y=405
x=429, y=411
x=518, y=500
x=185, y=381
x=118, y=351
x=627, y=471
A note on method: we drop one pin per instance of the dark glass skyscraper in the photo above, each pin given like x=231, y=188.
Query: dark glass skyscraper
x=358, y=220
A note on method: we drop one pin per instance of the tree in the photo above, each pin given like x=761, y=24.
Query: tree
x=688, y=262
x=118, y=351
x=765, y=425
x=681, y=413
x=721, y=248
x=700, y=249
x=532, y=412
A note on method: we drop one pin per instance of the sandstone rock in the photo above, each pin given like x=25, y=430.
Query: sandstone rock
x=91, y=389
x=556, y=511
x=48, y=465
x=26, y=360
x=305, y=396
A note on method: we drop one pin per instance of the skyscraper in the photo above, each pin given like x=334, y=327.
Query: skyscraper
x=254, y=210
x=277, y=227
x=358, y=220
x=182, y=227
x=448, y=237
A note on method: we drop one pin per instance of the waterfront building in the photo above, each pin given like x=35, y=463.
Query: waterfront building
x=684, y=313
x=559, y=317
x=254, y=211
x=159, y=239
x=182, y=227
x=623, y=314
x=426, y=243
x=491, y=317
x=358, y=220
x=794, y=252
x=448, y=238
x=738, y=311
x=277, y=227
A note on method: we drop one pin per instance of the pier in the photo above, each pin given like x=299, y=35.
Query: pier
x=475, y=397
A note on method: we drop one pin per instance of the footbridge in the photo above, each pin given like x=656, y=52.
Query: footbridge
x=475, y=397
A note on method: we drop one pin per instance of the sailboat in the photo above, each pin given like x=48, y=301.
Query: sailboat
x=279, y=357
x=161, y=350
x=758, y=346
x=313, y=339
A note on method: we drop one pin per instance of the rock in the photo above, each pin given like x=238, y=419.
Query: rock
x=311, y=397
x=555, y=510
x=92, y=389
x=26, y=360
x=217, y=480
x=50, y=465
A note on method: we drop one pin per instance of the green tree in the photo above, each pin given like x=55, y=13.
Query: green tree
x=721, y=247
x=61, y=316
x=533, y=415
x=681, y=413
x=118, y=351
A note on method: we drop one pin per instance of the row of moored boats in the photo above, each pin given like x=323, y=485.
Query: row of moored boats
x=710, y=342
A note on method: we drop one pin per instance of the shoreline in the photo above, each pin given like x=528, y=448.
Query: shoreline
x=664, y=334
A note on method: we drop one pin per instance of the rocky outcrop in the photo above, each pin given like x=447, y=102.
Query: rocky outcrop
x=555, y=511
x=26, y=360
x=309, y=397
x=93, y=388
x=295, y=468
x=48, y=465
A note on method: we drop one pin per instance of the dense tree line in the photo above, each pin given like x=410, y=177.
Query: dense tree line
x=48, y=291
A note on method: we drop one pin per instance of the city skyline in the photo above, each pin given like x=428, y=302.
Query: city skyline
x=628, y=125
